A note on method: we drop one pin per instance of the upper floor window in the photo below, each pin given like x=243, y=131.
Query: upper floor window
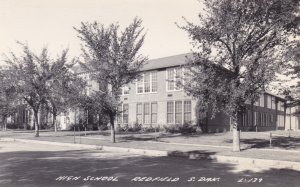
x=273, y=103
x=174, y=78
x=262, y=100
x=147, y=83
x=125, y=90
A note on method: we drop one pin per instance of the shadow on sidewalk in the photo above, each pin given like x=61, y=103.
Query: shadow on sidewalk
x=42, y=168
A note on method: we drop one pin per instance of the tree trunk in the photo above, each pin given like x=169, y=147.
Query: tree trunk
x=36, y=124
x=4, y=123
x=112, y=130
x=54, y=123
x=54, y=120
x=235, y=134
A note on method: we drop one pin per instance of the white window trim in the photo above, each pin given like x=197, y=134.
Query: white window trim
x=123, y=90
x=174, y=111
x=143, y=80
x=167, y=80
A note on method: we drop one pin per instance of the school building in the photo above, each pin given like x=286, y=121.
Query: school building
x=156, y=100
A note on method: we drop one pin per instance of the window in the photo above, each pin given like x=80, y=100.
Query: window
x=249, y=121
x=187, y=111
x=139, y=113
x=122, y=116
x=255, y=119
x=125, y=90
x=153, y=112
x=174, y=76
x=140, y=85
x=273, y=103
x=187, y=74
x=280, y=106
x=119, y=115
x=170, y=112
x=125, y=113
x=269, y=101
x=170, y=79
x=178, y=112
x=178, y=77
x=262, y=100
x=257, y=103
x=259, y=119
x=147, y=83
x=154, y=81
x=265, y=119
x=146, y=113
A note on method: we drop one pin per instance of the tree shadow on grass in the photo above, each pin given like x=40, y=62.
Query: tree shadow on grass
x=42, y=168
x=277, y=142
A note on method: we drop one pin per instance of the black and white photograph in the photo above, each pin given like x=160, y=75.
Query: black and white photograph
x=136, y=93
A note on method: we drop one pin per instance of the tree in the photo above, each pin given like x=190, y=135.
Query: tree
x=112, y=57
x=240, y=45
x=65, y=89
x=291, y=86
x=33, y=77
x=8, y=97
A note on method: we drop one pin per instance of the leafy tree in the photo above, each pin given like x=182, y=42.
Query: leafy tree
x=8, y=97
x=240, y=44
x=34, y=75
x=65, y=89
x=112, y=56
x=291, y=86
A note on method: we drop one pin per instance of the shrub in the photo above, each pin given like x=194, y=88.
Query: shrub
x=186, y=128
x=135, y=128
x=150, y=129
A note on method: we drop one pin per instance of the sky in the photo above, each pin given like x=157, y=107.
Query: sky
x=50, y=23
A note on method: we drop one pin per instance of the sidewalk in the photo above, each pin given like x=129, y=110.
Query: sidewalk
x=150, y=145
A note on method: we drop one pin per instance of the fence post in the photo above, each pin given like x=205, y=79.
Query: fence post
x=270, y=139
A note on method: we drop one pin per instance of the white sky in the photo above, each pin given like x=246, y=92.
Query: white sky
x=51, y=22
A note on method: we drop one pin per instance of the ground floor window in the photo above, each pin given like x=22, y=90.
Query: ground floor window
x=122, y=116
x=146, y=113
x=139, y=113
x=153, y=112
x=182, y=112
x=170, y=112
x=187, y=111
x=125, y=113
x=178, y=112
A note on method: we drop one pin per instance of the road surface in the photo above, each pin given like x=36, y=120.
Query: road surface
x=24, y=164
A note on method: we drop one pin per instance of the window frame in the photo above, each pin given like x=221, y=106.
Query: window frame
x=151, y=83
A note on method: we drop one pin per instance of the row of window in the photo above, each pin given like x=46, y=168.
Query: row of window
x=261, y=119
x=179, y=112
x=146, y=113
x=147, y=83
x=271, y=102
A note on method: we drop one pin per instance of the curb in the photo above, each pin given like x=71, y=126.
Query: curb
x=98, y=147
x=279, y=164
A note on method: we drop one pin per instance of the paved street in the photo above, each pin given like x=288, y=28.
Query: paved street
x=23, y=164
